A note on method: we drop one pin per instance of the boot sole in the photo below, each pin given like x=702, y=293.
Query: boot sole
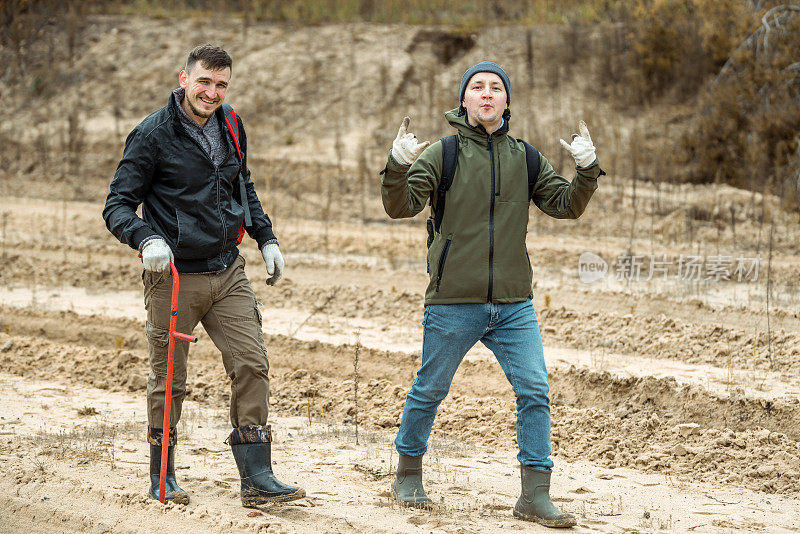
x=251, y=502
x=552, y=523
x=179, y=499
x=427, y=504
x=415, y=504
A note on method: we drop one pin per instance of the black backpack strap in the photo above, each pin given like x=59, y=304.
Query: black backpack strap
x=233, y=127
x=449, y=160
x=533, y=162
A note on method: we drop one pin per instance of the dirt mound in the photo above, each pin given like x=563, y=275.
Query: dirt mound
x=664, y=337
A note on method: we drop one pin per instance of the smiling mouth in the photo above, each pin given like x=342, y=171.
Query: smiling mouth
x=204, y=101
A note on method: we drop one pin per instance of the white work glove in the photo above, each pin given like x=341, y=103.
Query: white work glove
x=156, y=255
x=274, y=260
x=405, y=148
x=581, y=148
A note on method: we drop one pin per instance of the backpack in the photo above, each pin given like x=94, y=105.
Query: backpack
x=233, y=128
x=449, y=162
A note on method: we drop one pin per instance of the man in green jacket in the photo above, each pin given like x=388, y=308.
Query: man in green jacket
x=480, y=273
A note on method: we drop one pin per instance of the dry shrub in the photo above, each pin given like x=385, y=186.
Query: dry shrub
x=675, y=45
x=742, y=72
x=467, y=15
x=747, y=131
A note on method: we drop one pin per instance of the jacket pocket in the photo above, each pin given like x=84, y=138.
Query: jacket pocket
x=234, y=213
x=442, y=260
x=198, y=238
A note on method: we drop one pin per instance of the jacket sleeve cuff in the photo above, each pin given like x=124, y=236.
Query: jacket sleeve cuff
x=265, y=237
x=592, y=170
x=142, y=236
x=392, y=165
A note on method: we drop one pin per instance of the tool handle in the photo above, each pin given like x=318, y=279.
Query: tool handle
x=173, y=320
x=190, y=339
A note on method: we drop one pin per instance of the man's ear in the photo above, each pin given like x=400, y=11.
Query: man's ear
x=183, y=79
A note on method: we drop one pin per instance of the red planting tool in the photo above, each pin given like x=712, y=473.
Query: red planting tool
x=173, y=334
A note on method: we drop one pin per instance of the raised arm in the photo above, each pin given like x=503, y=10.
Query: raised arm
x=411, y=174
x=554, y=194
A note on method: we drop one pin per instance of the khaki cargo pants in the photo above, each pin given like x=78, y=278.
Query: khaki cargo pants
x=226, y=305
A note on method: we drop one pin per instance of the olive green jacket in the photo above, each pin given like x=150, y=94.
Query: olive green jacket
x=479, y=253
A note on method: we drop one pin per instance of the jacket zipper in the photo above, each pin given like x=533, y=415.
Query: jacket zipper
x=221, y=218
x=441, y=262
x=491, y=221
x=217, y=180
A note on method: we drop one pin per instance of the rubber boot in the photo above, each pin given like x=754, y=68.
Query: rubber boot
x=172, y=492
x=407, y=486
x=535, y=505
x=252, y=449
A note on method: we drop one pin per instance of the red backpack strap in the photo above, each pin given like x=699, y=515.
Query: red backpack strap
x=233, y=128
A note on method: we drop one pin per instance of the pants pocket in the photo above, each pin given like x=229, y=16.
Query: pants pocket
x=158, y=342
x=260, y=322
x=152, y=282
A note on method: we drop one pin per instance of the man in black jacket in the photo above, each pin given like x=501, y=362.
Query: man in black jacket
x=184, y=167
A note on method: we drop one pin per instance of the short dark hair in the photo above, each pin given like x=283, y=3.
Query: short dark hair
x=211, y=57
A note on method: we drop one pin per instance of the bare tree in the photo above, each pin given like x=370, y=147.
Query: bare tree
x=759, y=40
x=769, y=291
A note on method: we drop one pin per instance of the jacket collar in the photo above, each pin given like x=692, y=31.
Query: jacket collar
x=175, y=110
x=476, y=133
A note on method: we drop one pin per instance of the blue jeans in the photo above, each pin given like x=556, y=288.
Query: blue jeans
x=511, y=332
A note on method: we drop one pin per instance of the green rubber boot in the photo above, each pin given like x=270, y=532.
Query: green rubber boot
x=535, y=505
x=252, y=450
x=407, y=486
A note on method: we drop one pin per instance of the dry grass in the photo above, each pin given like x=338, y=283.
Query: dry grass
x=467, y=15
x=96, y=442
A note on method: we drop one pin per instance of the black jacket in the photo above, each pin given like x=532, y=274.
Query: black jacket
x=191, y=203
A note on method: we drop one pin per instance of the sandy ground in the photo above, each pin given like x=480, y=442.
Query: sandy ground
x=627, y=414
x=674, y=403
x=666, y=414
x=88, y=474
